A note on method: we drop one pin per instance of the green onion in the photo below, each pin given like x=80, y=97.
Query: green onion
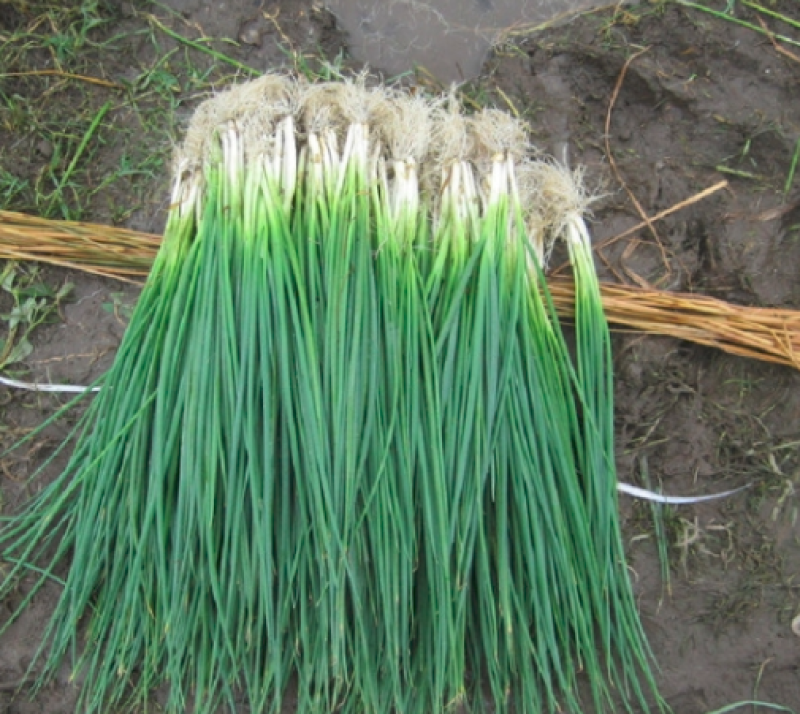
x=622, y=642
x=345, y=455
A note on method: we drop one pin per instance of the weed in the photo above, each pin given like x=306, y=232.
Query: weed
x=787, y=186
x=12, y=187
x=728, y=15
x=118, y=307
x=33, y=303
x=660, y=514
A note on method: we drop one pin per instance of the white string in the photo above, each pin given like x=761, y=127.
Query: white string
x=637, y=492
x=36, y=387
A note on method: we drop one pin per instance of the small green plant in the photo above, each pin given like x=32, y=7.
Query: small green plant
x=118, y=308
x=11, y=187
x=33, y=303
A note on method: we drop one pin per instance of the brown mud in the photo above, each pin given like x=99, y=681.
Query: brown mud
x=699, y=100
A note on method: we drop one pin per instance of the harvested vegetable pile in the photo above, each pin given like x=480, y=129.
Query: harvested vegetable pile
x=344, y=449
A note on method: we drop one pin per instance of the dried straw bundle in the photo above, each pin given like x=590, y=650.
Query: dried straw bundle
x=101, y=250
x=769, y=334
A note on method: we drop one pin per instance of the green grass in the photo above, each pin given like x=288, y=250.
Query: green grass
x=62, y=108
x=90, y=106
x=730, y=11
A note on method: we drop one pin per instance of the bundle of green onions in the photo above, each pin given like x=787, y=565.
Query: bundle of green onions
x=344, y=457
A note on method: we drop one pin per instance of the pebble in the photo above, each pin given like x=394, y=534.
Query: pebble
x=249, y=33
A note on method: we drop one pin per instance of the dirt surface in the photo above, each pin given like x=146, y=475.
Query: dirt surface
x=701, y=100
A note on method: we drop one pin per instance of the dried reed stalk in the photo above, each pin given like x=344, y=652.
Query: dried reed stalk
x=772, y=335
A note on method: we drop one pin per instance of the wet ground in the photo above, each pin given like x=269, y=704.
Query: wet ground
x=449, y=38
x=658, y=102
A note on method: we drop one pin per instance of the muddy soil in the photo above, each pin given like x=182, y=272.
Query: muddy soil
x=701, y=100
